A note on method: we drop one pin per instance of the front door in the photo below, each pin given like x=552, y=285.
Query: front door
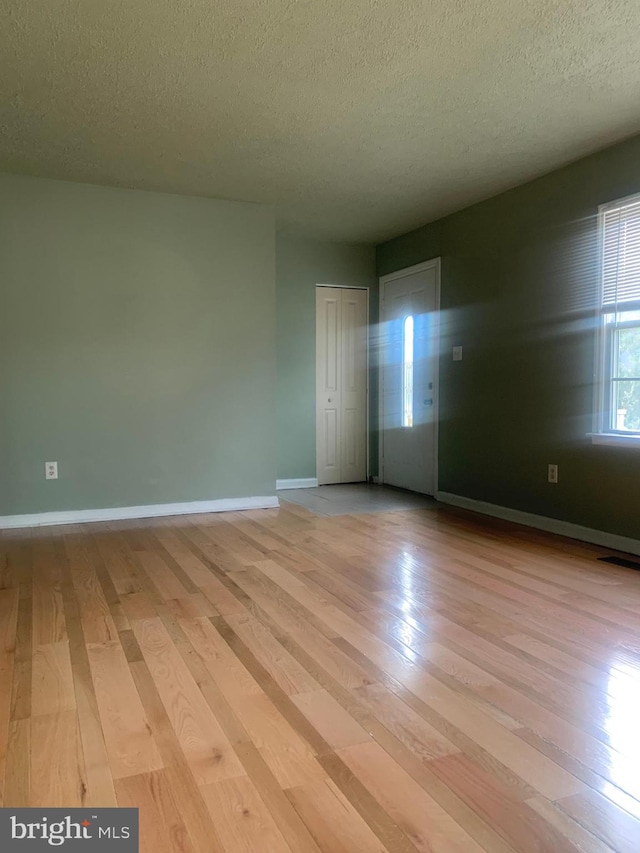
x=409, y=360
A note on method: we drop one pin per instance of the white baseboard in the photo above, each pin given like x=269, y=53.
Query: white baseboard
x=542, y=522
x=152, y=511
x=298, y=483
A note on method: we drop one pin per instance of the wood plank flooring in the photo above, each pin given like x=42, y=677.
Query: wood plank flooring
x=284, y=682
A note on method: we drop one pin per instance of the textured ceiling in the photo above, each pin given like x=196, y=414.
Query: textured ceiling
x=358, y=119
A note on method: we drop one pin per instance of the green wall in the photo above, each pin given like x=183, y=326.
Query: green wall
x=301, y=264
x=137, y=347
x=519, y=277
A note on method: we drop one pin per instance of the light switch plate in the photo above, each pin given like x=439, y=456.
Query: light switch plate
x=457, y=353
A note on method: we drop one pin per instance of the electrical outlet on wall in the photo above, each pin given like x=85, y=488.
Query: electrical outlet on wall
x=552, y=473
x=51, y=470
x=457, y=353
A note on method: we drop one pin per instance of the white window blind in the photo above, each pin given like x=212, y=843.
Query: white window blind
x=621, y=256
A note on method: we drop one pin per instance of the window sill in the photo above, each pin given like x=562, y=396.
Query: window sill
x=614, y=439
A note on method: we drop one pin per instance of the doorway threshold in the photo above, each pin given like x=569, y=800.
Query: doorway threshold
x=357, y=499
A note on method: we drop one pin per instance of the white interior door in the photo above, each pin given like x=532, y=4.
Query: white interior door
x=409, y=362
x=341, y=385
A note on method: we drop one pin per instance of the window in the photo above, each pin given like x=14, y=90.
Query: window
x=619, y=396
x=407, y=372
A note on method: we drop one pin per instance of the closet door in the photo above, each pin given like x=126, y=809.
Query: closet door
x=353, y=386
x=328, y=330
x=341, y=385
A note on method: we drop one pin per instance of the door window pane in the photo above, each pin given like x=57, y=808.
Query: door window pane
x=407, y=373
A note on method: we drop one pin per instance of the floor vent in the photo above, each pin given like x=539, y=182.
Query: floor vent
x=620, y=561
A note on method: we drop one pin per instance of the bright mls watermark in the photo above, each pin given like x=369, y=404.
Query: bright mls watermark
x=80, y=830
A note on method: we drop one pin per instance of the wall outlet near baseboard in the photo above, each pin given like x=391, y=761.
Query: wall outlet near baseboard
x=552, y=473
x=51, y=470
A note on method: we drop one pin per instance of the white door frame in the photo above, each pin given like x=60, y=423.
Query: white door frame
x=368, y=363
x=433, y=264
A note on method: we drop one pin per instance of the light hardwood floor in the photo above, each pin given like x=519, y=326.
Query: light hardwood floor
x=281, y=682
